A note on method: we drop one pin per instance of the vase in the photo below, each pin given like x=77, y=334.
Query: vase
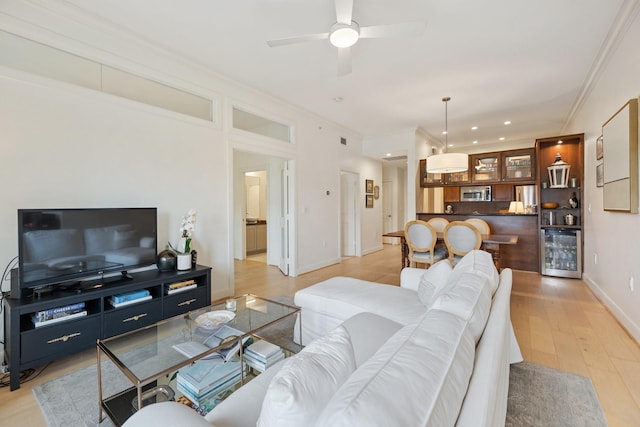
x=184, y=261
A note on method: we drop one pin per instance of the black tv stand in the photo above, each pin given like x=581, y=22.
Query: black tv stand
x=30, y=346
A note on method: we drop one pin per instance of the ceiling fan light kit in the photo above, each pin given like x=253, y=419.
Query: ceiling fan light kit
x=344, y=35
x=447, y=162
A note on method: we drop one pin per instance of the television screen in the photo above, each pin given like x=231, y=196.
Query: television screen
x=61, y=245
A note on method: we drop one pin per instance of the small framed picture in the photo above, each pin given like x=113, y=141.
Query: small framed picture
x=599, y=148
x=600, y=175
x=369, y=201
x=368, y=186
x=376, y=192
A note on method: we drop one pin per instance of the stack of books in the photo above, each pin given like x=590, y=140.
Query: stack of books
x=181, y=286
x=58, y=314
x=208, y=378
x=130, y=298
x=262, y=354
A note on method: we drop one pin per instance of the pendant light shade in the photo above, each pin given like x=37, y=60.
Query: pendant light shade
x=447, y=162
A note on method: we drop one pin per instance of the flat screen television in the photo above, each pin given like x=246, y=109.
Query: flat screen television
x=64, y=247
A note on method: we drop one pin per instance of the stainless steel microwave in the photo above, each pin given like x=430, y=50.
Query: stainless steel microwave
x=477, y=193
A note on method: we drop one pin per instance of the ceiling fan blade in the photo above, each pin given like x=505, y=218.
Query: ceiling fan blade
x=298, y=39
x=405, y=29
x=344, y=11
x=344, y=61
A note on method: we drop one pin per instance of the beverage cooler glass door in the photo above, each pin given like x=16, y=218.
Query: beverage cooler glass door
x=561, y=252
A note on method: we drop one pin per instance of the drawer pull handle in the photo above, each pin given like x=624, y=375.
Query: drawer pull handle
x=135, y=318
x=64, y=338
x=187, y=302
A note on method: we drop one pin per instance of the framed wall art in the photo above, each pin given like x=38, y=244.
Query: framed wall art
x=600, y=175
x=620, y=153
x=368, y=186
x=369, y=201
x=599, y=147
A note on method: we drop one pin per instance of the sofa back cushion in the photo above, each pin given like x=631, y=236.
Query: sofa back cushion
x=479, y=262
x=468, y=298
x=300, y=390
x=417, y=378
x=433, y=281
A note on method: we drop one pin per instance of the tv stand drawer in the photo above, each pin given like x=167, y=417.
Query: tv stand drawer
x=132, y=317
x=60, y=339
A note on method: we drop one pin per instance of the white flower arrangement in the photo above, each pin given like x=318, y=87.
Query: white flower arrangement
x=187, y=227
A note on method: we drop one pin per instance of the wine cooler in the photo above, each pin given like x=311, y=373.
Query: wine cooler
x=561, y=252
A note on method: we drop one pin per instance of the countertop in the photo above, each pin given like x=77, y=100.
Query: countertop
x=475, y=213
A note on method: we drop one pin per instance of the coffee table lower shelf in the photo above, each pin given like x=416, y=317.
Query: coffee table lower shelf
x=118, y=407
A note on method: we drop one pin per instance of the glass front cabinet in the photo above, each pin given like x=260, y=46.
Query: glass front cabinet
x=518, y=165
x=485, y=168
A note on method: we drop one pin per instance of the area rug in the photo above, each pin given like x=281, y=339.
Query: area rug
x=545, y=397
x=538, y=396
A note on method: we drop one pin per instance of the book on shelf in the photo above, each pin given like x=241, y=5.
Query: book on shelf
x=182, y=284
x=263, y=350
x=129, y=302
x=218, y=337
x=72, y=315
x=130, y=296
x=52, y=313
x=260, y=365
x=171, y=291
x=206, y=378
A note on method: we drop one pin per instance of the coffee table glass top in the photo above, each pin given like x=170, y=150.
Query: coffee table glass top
x=145, y=353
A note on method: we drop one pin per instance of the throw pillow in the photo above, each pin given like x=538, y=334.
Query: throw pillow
x=433, y=280
x=481, y=263
x=299, y=392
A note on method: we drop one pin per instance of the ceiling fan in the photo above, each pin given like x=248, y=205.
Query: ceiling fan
x=346, y=32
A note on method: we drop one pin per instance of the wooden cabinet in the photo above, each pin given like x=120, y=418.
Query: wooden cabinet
x=28, y=346
x=256, y=235
x=485, y=168
x=503, y=193
x=451, y=194
x=519, y=165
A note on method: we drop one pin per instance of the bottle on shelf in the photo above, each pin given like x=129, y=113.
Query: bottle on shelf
x=573, y=200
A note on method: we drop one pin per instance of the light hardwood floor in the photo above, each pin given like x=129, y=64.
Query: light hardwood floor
x=558, y=322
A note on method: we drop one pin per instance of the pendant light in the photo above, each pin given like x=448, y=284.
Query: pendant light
x=447, y=162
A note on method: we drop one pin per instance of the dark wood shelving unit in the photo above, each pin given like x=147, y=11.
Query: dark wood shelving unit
x=28, y=347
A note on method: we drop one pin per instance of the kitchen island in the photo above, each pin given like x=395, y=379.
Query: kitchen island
x=525, y=254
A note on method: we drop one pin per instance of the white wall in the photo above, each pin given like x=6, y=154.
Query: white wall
x=612, y=236
x=69, y=146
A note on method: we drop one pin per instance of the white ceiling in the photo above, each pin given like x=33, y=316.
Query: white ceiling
x=523, y=61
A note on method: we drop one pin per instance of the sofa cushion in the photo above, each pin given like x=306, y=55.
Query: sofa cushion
x=300, y=390
x=479, y=262
x=468, y=298
x=419, y=377
x=102, y=239
x=433, y=280
x=327, y=304
x=63, y=243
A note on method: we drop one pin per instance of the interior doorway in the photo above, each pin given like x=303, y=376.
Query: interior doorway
x=261, y=217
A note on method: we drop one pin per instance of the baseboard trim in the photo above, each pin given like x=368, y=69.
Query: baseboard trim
x=628, y=324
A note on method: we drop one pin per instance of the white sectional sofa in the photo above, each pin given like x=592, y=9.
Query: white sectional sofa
x=445, y=365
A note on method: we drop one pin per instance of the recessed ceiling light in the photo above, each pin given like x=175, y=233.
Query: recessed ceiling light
x=444, y=132
x=388, y=154
x=474, y=127
x=560, y=142
x=338, y=99
x=501, y=138
x=475, y=142
x=508, y=122
x=450, y=145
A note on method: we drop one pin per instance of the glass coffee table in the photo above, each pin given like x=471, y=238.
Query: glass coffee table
x=149, y=361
